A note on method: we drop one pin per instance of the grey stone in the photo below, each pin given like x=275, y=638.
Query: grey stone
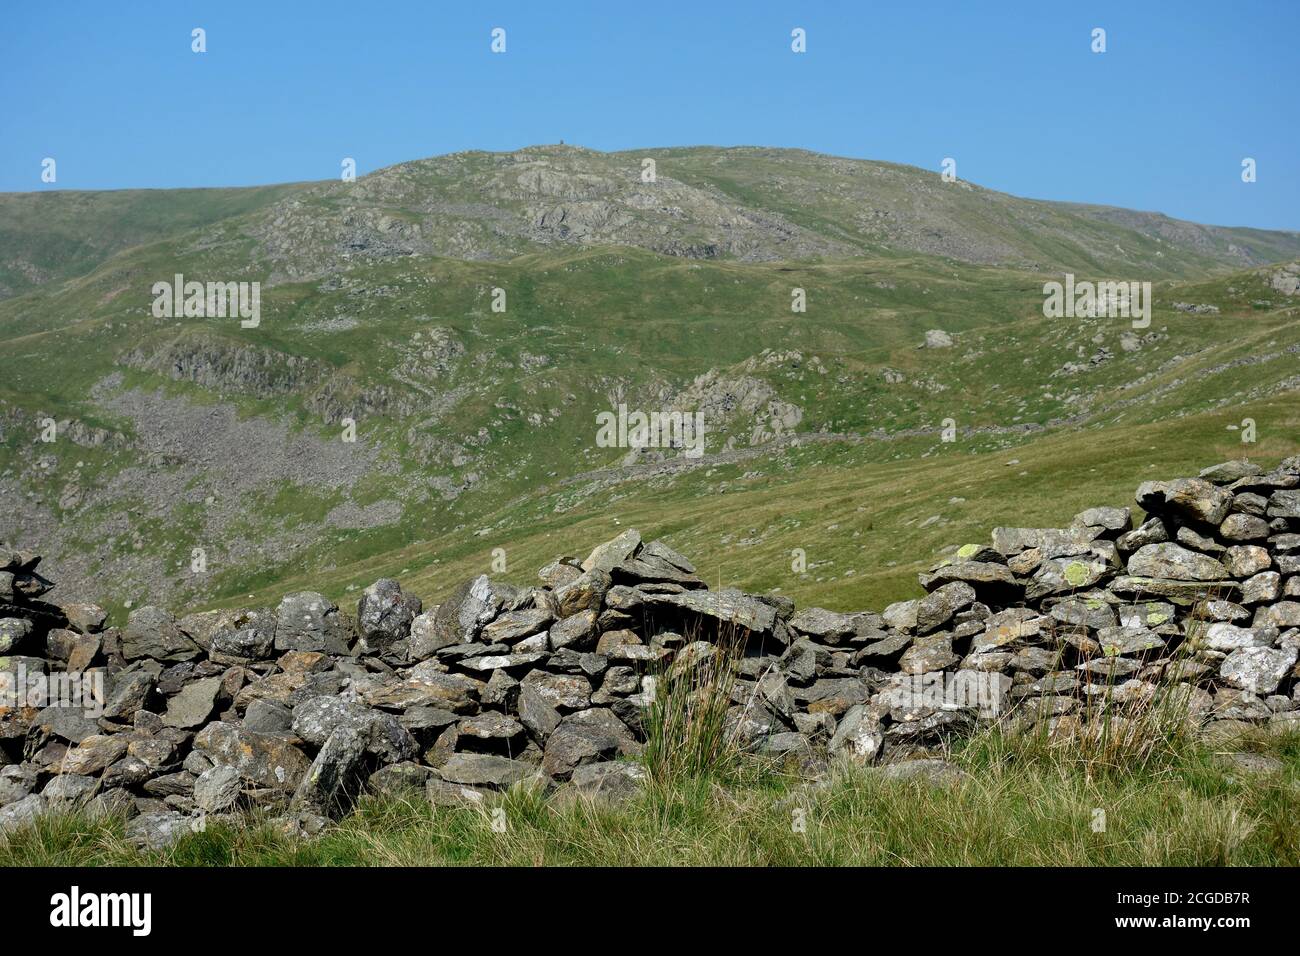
x=267, y=717
x=1093, y=615
x=1243, y=527
x=513, y=626
x=1281, y=614
x=942, y=604
x=537, y=712
x=1261, y=588
x=153, y=632
x=130, y=771
x=240, y=636
x=1198, y=499
x=980, y=574
x=22, y=813
x=1230, y=471
x=307, y=621
x=1284, y=504
x=84, y=618
x=93, y=754
x=490, y=725
x=384, y=613
x=70, y=788
x=902, y=615
x=16, y=782
x=13, y=632
x=266, y=760
x=460, y=619
x=1050, y=542
x=1258, y=669
x=829, y=626
x=606, y=556
x=157, y=831
x=72, y=724
x=612, y=781
x=317, y=719
x=577, y=631
x=587, y=736
x=194, y=704
x=727, y=607
x=399, y=778
x=1176, y=563
x=561, y=691
x=1110, y=519
x=332, y=781
x=858, y=735
x=929, y=771
x=129, y=693
x=485, y=770
x=1222, y=636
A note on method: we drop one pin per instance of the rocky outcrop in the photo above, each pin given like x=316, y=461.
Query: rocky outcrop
x=238, y=369
x=302, y=707
x=226, y=367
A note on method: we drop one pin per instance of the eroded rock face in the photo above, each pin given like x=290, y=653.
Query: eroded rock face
x=301, y=709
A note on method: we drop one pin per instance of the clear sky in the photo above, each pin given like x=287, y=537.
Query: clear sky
x=1012, y=91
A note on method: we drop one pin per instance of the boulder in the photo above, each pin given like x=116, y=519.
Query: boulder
x=587, y=736
x=613, y=781
x=157, y=831
x=14, y=631
x=307, y=621
x=265, y=760
x=607, y=556
x=194, y=704
x=384, y=614
x=333, y=780
x=1258, y=669
x=1230, y=471
x=1198, y=500
x=22, y=813
x=460, y=618
x=729, y=608
x=218, y=789
x=242, y=636
x=93, y=754
x=1176, y=563
x=152, y=632
x=485, y=770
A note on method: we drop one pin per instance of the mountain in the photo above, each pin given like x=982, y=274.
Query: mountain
x=476, y=429
x=747, y=203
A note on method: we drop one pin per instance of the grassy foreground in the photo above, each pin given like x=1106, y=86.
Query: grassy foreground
x=1022, y=804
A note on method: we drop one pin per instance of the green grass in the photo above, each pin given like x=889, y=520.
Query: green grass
x=1020, y=805
x=57, y=234
x=860, y=520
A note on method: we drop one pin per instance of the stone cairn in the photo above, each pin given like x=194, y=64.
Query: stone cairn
x=299, y=708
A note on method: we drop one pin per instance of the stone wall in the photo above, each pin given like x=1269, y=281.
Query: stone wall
x=301, y=707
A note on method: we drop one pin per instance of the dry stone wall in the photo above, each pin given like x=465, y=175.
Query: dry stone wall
x=301, y=707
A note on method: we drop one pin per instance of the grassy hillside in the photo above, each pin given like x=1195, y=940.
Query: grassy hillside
x=50, y=236
x=476, y=429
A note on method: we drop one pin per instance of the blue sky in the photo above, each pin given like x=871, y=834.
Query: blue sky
x=1160, y=121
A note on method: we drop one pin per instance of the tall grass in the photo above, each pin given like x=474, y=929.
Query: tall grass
x=1017, y=806
x=1151, y=728
x=687, y=730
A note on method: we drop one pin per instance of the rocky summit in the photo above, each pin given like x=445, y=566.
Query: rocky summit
x=1189, y=597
